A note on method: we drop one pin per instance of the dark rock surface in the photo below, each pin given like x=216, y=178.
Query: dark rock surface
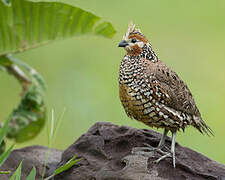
x=106, y=155
x=31, y=156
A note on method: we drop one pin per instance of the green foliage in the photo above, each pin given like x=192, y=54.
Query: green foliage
x=5, y=172
x=25, y=24
x=52, y=127
x=17, y=174
x=6, y=2
x=29, y=117
x=51, y=132
x=105, y=29
x=4, y=155
x=64, y=167
x=4, y=129
x=4, y=61
x=32, y=174
x=2, y=147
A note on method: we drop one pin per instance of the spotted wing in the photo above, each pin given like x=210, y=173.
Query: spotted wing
x=174, y=96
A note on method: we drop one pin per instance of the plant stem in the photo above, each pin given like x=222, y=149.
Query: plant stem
x=19, y=75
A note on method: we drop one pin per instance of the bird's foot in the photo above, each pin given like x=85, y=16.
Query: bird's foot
x=169, y=154
x=147, y=150
x=157, y=149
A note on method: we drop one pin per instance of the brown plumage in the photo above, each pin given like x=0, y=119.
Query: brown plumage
x=152, y=93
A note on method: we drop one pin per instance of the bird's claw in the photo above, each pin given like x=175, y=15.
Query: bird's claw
x=147, y=151
x=157, y=149
x=170, y=154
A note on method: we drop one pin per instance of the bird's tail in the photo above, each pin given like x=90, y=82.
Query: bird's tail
x=202, y=126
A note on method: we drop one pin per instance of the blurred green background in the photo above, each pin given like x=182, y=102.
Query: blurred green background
x=82, y=73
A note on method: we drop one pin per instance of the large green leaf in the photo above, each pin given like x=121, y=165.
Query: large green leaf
x=27, y=24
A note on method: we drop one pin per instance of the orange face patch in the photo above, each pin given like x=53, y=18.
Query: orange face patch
x=139, y=37
x=135, y=51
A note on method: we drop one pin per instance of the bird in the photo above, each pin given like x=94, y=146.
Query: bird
x=152, y=93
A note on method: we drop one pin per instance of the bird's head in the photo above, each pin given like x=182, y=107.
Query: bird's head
x=133, y=41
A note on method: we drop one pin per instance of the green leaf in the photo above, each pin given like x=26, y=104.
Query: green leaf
x=17, y=173
x=5, y=172
x=2, y=147
x=28, y=24
x=35, y=76
x=66, y=166
x=105, y=29
x=29, y=117
x=4, y=61
x=32, y=174
x=4, y=129
x=7, y=2
x=5, y=155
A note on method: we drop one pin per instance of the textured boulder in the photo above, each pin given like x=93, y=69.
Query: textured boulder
x=106, y=155
x=31, y=156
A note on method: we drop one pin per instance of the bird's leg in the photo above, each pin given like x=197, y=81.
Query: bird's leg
x=172, y=151
x=161, y=143
x=149, y=148
x=162, y=140
x=173, y=148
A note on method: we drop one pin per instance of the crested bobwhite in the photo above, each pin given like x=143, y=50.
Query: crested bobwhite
x=154, y=94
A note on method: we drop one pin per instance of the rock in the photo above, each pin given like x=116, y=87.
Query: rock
x=106, y=155
x=31, y=156
x=105, y=152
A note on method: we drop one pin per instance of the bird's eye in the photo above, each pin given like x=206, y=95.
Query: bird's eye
x=133, y=40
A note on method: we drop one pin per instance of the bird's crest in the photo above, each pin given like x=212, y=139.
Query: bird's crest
x=132, y=30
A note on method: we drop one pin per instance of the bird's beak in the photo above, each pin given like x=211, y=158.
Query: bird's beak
x=123, y=43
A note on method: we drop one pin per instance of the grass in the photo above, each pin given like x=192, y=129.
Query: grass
x=53, y=126
x=5, y=155
x=52, y=131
